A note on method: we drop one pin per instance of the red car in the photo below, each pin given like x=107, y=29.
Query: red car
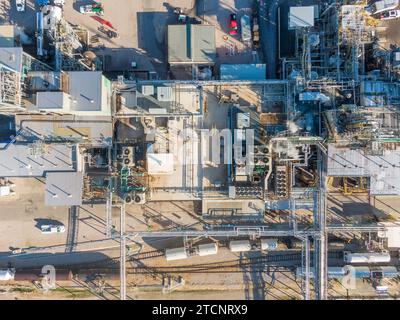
x=233, y=25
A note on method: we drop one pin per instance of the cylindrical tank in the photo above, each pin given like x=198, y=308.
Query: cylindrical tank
x=388, y=271
x=240, y=245
x=34, y=275
x=362, y=272
x=333, y=272
x=367, y=257
x=269, y=244
x=176, y=254
x=207, y=249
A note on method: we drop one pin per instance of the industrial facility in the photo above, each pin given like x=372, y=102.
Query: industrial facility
x=202, y=149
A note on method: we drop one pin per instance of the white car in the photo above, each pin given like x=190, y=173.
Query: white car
x=20, y=4
x=46, y=229
x=388, y=15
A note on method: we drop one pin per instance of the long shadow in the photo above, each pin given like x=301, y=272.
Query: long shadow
x=40, y=222
x=60, y=261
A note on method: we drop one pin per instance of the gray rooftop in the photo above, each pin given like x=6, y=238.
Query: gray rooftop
x=11, y=58
x=22, y=160
x=191, y=43
x=63, y=188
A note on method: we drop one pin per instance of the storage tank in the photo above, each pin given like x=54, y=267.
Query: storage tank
x=333, y=272
x=176, y=254
x=269, y=244
x=389, y=271
x=240, y=245
x=35, y=275
x=367, y=257
x=362, y=272
x=7, y=274
x=207, y=249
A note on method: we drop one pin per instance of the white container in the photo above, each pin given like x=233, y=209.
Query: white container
x=207, y=249
x=240, y=245
x=7, y=274
x=4, y=191
x=269, y=244
x=176, y=254
x=367, y=257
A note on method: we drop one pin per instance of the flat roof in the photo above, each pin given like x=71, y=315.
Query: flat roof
x=7, y=35
x=53, y=100
x=160, y=163
x=383, y=170
x=300, y=17
x=191, y=43
x=34, y=160
x=250, y=71
x=98, y=129
x=63, y=188
x=12, y=58
x=89, y=93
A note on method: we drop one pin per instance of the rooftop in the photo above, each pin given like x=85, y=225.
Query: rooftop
x=88, y=94
x=383, y=170
x=34, y=160
x=64, y=188
x=191, y=43
x=300, y=17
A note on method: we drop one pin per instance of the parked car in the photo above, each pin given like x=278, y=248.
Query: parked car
x=46, y=229
x=389, y=15
x=20, y=4
x=233, y=25
x=97, y=8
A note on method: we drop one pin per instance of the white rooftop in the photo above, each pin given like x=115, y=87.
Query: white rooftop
x=384, y=171
x=300, y=17
x=160, y=163
x=89, y=94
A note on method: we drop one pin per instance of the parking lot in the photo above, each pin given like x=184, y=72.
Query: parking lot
x=230, y=48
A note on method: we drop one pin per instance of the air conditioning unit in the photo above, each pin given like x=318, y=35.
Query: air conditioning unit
x=126, y=162
x=127, y=156
x=127, y=151
x=128, y=198
x=139, y=198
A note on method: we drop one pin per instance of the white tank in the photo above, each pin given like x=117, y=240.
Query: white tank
x=207, y=249
x=176, y=254
x=240, y=245
x=367, y=257
x=269, y=244
x=7, y=274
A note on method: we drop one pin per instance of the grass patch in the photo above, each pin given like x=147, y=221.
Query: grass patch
x=23, y=290
x=74, y=293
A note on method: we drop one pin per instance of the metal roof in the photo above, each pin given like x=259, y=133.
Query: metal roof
x=34, y=160
x=384, y=170
x=191, y=43
x=11, y=58
x=251, y=71
x=301, y=17
x=52, y=100
x=7, y=35
x=63, y=188
x=88, y=93
x=98, y=129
